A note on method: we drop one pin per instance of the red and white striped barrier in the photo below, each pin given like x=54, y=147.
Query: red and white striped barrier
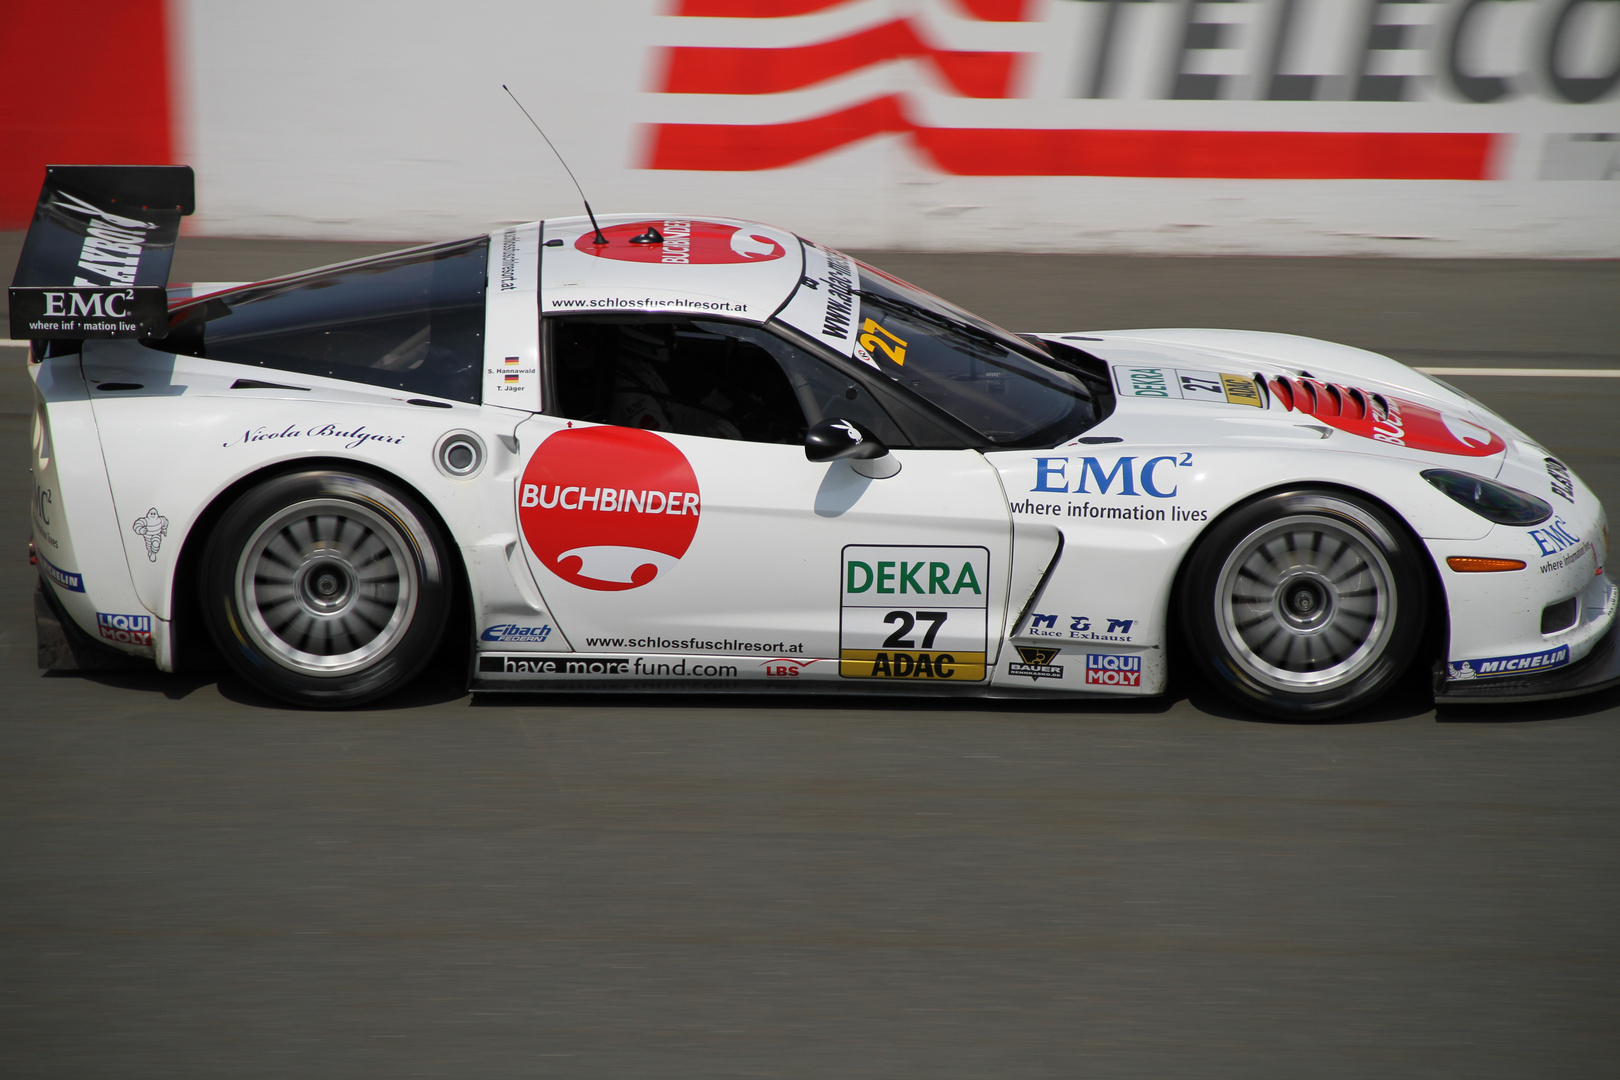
x=1449, y=127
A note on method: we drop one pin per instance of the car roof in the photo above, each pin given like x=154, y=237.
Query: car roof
x=665, y=263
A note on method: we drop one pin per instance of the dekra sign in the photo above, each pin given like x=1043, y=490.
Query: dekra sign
x=924, y=578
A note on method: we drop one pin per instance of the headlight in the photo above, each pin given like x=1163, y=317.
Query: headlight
x=1490, y=500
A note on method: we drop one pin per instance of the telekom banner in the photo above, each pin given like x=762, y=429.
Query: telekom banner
x=1423, y=127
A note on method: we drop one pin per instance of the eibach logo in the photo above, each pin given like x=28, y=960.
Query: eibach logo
x=1113, y=669
x=681, y=242
x=608, y=508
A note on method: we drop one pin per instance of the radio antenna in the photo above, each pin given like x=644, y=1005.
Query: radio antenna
x=598, y=238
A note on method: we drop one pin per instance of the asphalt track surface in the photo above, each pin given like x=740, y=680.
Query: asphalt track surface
x=197, y=882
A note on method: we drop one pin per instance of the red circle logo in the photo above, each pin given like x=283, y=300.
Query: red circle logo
x=683, y=243
x=608, y=508
x=1388, y=420
x=1419, y=427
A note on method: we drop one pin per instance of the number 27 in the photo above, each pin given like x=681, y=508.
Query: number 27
x=871, y=341
x=898, y=639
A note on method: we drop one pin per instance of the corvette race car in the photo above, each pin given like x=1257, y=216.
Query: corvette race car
x=679, y=453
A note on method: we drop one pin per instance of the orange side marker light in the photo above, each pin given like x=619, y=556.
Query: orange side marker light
x=1471, y=564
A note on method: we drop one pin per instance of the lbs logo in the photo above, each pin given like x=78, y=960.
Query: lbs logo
x=125, y=629
x=608, y=508
x=681, y=243
x=1112, y=669
x=784, y=668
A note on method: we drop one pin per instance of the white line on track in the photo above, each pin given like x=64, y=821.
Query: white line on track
x=1526, y=372
x=1493, y=372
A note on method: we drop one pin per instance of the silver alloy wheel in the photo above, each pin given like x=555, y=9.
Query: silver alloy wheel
x=1305, y=603
x=327, y=586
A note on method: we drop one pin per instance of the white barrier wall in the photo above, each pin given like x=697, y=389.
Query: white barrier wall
x=1446, y=128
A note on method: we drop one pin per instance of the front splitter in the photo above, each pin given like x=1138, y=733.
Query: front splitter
x=1597, y=670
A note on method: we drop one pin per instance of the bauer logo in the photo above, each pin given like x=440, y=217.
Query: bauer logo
x=1037, y=663
x=1113, y=669
x=608, y=508
x=125, y=629
x=680, y=242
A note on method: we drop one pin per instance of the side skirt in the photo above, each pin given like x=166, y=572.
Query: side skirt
x=62, y=646
x=527, y=673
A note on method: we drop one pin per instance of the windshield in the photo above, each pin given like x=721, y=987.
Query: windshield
x=999, y=385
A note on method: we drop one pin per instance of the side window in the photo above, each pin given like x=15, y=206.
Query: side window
x=827, y=394
x=411, y=322
x=697, y=377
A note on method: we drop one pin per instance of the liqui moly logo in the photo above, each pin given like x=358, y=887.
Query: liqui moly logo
x=125, y=629
x=1113, y=669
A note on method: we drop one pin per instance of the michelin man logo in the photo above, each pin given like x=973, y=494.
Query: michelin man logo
x=152, y=528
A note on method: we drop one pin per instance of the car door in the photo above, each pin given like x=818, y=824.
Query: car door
x=669, y=509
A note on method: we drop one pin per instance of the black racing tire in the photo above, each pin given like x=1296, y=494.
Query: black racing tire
x=326, y=589
x=1305, y=605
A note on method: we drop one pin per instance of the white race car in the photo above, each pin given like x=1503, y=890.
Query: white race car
x=701, y=454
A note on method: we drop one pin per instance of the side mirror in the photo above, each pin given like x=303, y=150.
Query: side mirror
x=832, y=439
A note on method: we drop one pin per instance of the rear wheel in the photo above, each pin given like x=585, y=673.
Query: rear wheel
x=1305, y=605
x=325, y=589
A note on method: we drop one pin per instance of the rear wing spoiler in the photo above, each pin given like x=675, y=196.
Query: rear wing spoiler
x=96, y=258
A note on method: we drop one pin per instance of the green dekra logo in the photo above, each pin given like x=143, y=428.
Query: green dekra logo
x=924, y=578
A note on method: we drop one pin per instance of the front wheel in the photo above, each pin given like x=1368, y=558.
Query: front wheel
x=326, y=589
x=1305, y=605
